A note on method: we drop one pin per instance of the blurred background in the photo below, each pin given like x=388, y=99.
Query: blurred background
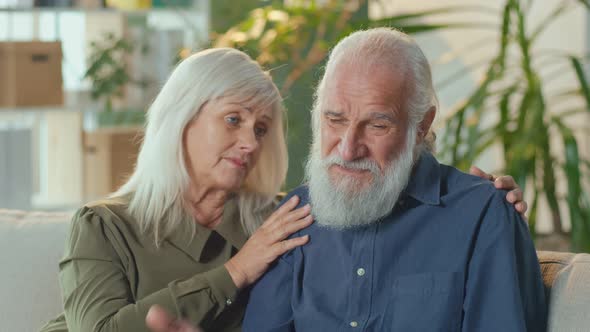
x=76, y=77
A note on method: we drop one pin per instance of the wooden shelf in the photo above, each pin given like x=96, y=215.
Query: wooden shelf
x=101, y=10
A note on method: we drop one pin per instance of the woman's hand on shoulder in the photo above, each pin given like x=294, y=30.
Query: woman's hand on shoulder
x=514, y=196
x=269, y=242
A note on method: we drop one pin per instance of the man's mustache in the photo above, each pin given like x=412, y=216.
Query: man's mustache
x=361, y=164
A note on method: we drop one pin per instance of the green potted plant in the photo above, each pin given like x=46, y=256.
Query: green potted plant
x=528, y=121
x=109, y=75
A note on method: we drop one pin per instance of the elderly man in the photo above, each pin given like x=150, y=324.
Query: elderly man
x=401, y=242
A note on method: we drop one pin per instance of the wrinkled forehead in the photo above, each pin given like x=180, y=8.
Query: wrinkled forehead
x=365, y=86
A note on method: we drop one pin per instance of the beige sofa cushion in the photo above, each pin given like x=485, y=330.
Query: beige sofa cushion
x=31, y=244
x=567, y=284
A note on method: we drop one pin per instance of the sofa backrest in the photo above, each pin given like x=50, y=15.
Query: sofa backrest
x=567, y=287
x=31, y=245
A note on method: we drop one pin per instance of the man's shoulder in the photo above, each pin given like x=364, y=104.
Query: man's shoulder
x=473, y=192
x=456, y=182
x=302, y=192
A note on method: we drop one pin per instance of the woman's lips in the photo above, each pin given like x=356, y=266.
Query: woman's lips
x=237, y=162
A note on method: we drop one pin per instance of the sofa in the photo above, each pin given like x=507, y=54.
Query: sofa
x=31, y=244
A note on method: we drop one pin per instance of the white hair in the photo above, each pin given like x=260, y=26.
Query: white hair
x=341, y=204
x=389, y=47
x=159, y=185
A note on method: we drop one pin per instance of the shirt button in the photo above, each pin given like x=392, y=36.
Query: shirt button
x=360, y=272
x=228, y=302
x=354, y=324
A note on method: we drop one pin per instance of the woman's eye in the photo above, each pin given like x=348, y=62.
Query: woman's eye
x=260, y=131
x=232, y=120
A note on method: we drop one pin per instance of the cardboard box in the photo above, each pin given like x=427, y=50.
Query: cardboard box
x=129, y=4
x=109, y=157
x=30, y=74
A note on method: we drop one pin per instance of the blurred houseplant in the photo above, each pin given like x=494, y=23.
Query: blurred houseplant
x=109, y=74
x=528, y=121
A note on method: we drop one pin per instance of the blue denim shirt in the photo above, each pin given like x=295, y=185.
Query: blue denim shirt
x=453, y=255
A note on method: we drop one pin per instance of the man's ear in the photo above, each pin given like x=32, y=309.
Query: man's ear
x=424, y=126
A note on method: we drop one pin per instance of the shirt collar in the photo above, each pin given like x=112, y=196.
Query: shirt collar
x=229, y=228
x=424, y=184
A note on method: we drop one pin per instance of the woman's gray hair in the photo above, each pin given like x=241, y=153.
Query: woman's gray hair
x=159, y=185
x=386, y=47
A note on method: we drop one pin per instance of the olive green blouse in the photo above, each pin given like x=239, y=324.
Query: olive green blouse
x=111, y=273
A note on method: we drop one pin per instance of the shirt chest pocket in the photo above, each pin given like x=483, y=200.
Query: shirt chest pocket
x=426, y=302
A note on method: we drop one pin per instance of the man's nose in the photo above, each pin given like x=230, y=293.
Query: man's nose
x=351, y=145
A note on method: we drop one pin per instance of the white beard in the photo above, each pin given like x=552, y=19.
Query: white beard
x=343, y=205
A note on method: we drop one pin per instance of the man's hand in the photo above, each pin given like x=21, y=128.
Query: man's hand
x=158, y=320
x=506, y=182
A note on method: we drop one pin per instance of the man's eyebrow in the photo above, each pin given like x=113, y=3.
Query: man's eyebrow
x=382, y=116
x=332, y=113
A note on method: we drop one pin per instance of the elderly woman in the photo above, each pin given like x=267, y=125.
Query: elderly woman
x=176, y=234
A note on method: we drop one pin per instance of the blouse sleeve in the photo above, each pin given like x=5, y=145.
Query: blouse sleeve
x=97, y=294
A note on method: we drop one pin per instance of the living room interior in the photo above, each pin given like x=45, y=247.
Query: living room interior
x=77, y=76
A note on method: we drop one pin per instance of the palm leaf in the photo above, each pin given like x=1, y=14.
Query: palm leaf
x=585, y=89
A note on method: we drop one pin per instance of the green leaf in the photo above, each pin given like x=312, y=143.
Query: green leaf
x=533, y=214
x=436, y=11
x=585, y=89
x=503, y=124
x=504, y=34
x=584, y=3
x=580, y=224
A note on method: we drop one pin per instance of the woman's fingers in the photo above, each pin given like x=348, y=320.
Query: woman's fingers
x=474, y=170
x=283, y=209
x=286, y=245
x=288, y=205
x=297, y=214
x=290, y=223
x=158, y=320
x=505, y=182
x=292, y=216
x=296, y=225
x=514, y=196
x=521, y=207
